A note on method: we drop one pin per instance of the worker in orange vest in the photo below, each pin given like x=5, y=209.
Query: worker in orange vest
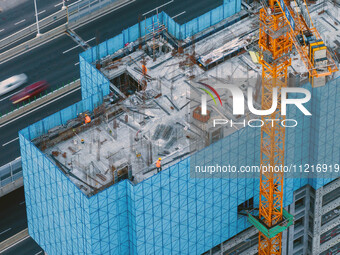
x=159, y=165
x=144, y=70
x=87, y=119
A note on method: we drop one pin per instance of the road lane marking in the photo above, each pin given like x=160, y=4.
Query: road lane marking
x=71, y=49
x=78, y=45
x=91, y=39
x=17, y=23
x=9, y=247
x=75, y=2
x=21, y=202
x=2, y=99
x=76, y=64
x=178, y=14
x=37, y=108
x=40, y=12
x=20, y=22
x=10, y=141
x=2, y=30
x=158, y=7
x=5, y=231
x=56, y=5
x=38, y=253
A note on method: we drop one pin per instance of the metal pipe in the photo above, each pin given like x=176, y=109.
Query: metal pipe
x=171, y=102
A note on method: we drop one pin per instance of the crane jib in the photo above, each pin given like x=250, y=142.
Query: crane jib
x=287, y=13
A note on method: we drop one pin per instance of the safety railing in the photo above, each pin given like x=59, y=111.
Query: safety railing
x=10, y=172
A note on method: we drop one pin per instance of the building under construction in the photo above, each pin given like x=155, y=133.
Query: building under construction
x=93, y=188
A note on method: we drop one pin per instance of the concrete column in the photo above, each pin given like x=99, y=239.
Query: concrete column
x=317, y=221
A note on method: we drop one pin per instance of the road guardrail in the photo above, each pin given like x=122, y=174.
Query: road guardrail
x=85, y=7
x=82, y=19
x=30, y=105
x=10, y=177
x=32, y=29
x=10, y=172
x=80, y=12
x=31, y=44
x=18, y=237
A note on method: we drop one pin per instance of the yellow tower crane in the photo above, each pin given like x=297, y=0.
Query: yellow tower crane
x=282, y=24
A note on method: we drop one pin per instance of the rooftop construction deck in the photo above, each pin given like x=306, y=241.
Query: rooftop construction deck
x=156, y=114
x=125, y=139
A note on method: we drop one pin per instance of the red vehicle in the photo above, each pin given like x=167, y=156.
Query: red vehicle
x=30, y=91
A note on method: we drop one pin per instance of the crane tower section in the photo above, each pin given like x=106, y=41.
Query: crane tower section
x=275, y=47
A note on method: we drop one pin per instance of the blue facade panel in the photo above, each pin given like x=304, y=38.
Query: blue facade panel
x=92, y=80
x=109, y=219
x=57, y=212
x=171, y=212
x=325, y=131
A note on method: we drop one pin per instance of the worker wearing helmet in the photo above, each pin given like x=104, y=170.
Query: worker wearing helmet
x=159, y=165
x=87, y=119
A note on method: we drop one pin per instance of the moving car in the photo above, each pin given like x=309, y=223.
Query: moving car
x=12, y=83
x=30, y=91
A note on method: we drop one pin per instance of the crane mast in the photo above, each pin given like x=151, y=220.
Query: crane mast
x=283, y=24
x=276, y=46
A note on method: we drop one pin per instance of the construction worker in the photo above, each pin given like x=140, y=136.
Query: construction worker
x=87, y=119
x=159, y=165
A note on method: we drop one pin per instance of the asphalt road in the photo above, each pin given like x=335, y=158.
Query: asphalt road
x=57, y=61
x=46, y=62
x=13, y=220
x=9, y=148
x=23, y=15
x=12, y=214
x=25, y=247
